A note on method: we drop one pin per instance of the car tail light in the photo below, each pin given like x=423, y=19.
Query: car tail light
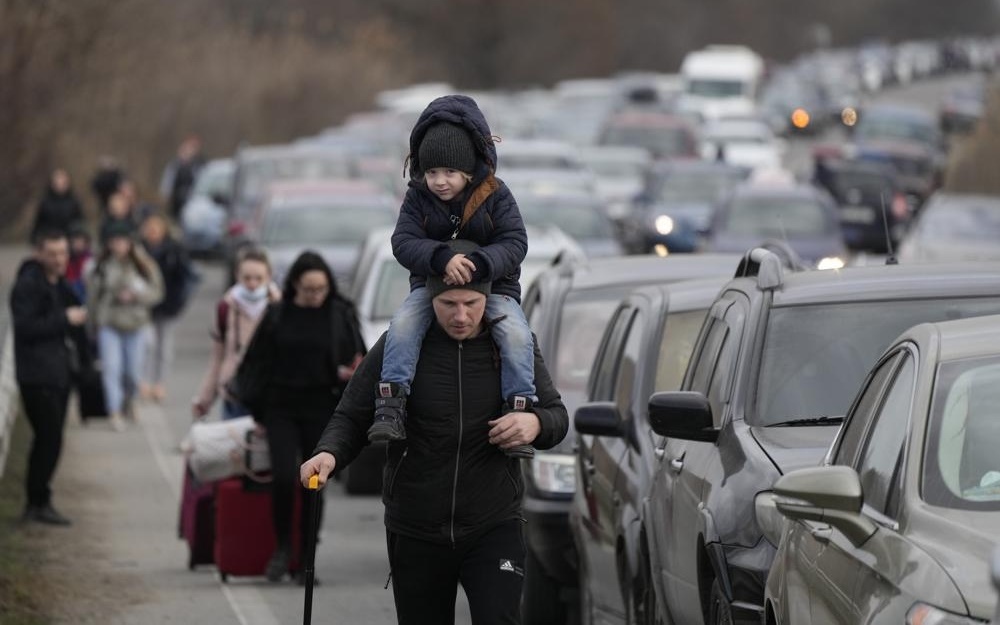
x=236, y=228
x=900, y=207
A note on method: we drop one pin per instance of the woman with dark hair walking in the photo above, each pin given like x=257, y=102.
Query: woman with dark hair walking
x=301, y=357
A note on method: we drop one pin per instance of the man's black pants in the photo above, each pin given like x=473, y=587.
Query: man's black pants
x=425, y=577
x=45, y=408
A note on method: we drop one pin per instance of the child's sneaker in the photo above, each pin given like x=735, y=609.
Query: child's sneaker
x=390, y=412
x=518, y=403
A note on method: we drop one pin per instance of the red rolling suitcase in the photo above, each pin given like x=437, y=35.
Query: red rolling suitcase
x=197, y=519
x=244, y=532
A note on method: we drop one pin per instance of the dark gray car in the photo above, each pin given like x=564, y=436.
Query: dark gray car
x=899, y=523
x=774, y=371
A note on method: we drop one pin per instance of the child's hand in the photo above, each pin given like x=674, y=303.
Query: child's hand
x=459, y=270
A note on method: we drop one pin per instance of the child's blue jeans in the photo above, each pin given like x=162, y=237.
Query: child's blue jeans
x=512, y=335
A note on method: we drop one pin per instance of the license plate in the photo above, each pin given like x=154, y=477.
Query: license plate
x=857, y=214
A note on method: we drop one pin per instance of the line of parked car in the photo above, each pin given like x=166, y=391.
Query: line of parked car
x=705, y=399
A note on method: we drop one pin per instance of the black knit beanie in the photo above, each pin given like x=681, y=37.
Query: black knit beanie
x=447, y=146
x=436, y=284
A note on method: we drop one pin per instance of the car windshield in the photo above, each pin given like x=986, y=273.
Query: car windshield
x=391, y=288
x=961, y=463
x=584, y=314
x=716, y=88
x=323, y=223
x=257, y=174
x=775, y=216
x=815, y=357
x=963, y=222
x=580, y=218
x=214, y=181
x=895, y=127
x=661, y=141
x=701, y=187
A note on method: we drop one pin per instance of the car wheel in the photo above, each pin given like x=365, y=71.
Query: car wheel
x=540, y=602
x=719, y=610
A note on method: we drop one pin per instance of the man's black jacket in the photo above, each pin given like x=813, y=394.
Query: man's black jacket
x=44, y=341
x=446, y=482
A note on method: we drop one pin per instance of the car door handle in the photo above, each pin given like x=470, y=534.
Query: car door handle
x=676, y=465
x=821, y=534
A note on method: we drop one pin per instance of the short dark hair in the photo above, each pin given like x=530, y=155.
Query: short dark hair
x=41, y=237
x=307, y=261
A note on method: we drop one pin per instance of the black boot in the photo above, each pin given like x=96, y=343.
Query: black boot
x=45, y=514
x=279, y=563
x=390, y=413
x=519, y=403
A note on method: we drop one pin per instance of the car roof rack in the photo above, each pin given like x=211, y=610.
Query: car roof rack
x=764, y=265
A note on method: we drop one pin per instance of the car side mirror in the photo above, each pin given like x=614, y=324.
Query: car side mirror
x=600, y=418
x=831, y=494
x=682, y=414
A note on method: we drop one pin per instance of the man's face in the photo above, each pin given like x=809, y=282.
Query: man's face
x=460, y=312
x=54, y=256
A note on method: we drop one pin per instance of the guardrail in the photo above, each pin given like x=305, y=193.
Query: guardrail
x=9, y=398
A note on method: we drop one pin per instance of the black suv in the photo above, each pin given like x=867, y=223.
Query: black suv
x=568, y=307
x=777, y=363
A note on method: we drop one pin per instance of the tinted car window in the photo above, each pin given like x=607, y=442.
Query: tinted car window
x=815, y=357
x=864, y=409
x=718, y=390
x=583, y=315
x=579, y=218
x=962, y=462
x=883, y=448
x=604, y=380
x=680, y=332
x=709, y=355
x=628, y=366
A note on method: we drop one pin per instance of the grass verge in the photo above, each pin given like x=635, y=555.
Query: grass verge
x=24, y=592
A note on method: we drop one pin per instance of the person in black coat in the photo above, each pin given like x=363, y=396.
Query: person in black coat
x=298, y=362
x=59, y=209
x=459, y=222
x=453, y=498
x=175, y=267
x=50, y=348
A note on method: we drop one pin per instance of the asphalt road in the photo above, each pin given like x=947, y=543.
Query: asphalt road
x=125, y=488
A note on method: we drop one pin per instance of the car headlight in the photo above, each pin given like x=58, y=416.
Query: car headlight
x=554, y=473
x=923, y=614
x=830, y=262
x=664, y=224
x=769, y=520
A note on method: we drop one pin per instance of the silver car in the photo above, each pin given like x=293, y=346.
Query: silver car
x=899, y=523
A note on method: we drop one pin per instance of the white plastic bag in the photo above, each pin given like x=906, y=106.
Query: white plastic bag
x=220, y=449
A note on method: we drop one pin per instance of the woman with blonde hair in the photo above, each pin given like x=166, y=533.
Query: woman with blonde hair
x=236, y=318
x=123, y=287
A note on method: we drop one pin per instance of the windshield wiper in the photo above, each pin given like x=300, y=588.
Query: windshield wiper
x=810, y=421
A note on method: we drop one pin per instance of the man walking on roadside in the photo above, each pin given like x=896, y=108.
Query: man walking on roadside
x=49, y=347
x=452, y=497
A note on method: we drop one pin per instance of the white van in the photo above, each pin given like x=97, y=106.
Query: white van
x=721, y=81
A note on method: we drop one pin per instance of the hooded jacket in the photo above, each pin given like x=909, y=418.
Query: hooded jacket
x=485, y=213
x=446, y=482
x=45, y=344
